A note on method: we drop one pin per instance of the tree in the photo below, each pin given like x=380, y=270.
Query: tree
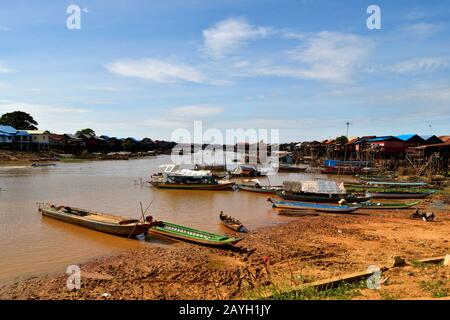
x=87, y=131
x=19, y=120
x=341, y=140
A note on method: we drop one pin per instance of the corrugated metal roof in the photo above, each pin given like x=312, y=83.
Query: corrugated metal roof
x=406, y=137
x=7, y=129
x=22, y=133
x=380, y=139
x=36, y=131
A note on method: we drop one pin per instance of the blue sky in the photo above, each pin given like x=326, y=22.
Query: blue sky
x=305, y=67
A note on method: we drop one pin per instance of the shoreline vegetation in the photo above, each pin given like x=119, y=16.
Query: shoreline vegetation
x=273, y=262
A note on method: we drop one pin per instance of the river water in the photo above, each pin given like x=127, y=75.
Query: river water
x=32, y=245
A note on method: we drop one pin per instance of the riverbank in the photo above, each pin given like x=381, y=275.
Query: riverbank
x=272, y=258
x=8, y=157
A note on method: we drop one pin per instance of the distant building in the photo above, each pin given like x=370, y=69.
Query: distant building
x=40, y=139
x=411, y=140
x=7, y=134
x=387, y=144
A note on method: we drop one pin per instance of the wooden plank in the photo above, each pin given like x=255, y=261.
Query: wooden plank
x=331, y=283
x=431, y=260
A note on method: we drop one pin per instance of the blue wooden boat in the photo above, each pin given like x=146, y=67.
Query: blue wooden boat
x=312, y=206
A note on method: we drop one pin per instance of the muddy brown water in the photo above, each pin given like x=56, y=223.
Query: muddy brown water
x=31, y=244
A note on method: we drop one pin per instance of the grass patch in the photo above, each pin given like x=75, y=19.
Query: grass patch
x=388, y=296
x=420, y=264
x=437, y=288
x=344, y=291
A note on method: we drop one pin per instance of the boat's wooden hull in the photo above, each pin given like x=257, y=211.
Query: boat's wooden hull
x=192, y=235
x=264, y=190
x=194, y=186
x=341, y=171
x=114, y=229
x=313, y=207
x=397, y=195
x=291, y=169
x=235, y=227
x=323, y=198
x=232, y=223
x=387, y=206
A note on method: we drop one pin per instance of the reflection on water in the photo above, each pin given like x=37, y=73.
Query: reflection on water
x=31, y=244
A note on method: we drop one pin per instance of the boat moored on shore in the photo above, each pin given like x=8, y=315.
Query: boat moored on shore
x=292, y=205
x=174, y=231
x=102, y=222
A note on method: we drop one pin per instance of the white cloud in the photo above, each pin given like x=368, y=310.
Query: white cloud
x=183, y=116
x=38, y=109
x=229, y=35
x=422, y=29
x=166, y=123
x=424, y=64
x=196, y=111
x=326, y=56
x=4, y=85
x=156, y=70
x=422, y=92
x=241, y=64
x=4, y=68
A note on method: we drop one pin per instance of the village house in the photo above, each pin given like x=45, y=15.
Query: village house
x=39, y=139
x=7, y=134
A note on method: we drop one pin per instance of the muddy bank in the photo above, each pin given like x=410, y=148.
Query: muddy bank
x=303, y=250
x=7, y=156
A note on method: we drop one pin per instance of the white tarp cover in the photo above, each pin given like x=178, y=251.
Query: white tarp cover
x=175, y=170
x=317, y=186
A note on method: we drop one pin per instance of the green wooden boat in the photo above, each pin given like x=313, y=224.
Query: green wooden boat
x=373, y=189
x=171, y=230
x=380, y=205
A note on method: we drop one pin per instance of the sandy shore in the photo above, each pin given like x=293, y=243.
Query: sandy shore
x=303, y=250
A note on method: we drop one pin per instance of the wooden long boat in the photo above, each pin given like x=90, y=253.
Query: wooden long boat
x=316, y=197
x=312, y=206
x=260, y=189
x=397, y=184
x=348, y=170
x=381, y=206
x=400, y=195
x=232, y=223
x=290, y=168
x=102, y=222
x=376, y=188
x=194, y=186
x=174, y=231
x=387, y=178
x=43, y=164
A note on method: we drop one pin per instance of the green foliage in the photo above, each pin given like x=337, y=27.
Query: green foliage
x=128, y=145
x=341, y=140
x=87, y=131
x=438, y=288
x=344, y=291
x=19, y=120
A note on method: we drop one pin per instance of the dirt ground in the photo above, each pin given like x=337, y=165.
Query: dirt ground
x=303, y=250
x=7, y=156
